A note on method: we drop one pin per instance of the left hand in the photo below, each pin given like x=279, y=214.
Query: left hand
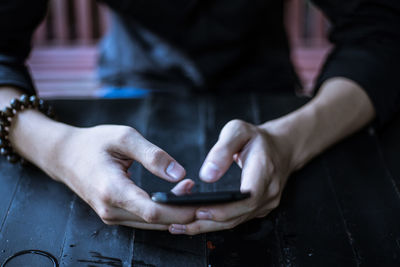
x=266, y=164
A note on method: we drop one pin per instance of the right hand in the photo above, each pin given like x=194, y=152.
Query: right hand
x=94, y=163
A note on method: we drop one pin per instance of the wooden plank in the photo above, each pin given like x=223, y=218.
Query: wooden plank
x=342, y=207
x=369, y=202
x=294, y=21
x=60, y=21
x=33, y=220
x=307, y=223
x=67, y=75
x=154, y=248
x=10, y=176
x=318, y=27
x=74, y=86
x=253, y=243
x=39, y=37
x=87, y=239
x=220, y=110
x=64, y=50
x=104, y=18
x=84, y=21
x=389, y=147
x=173, y=126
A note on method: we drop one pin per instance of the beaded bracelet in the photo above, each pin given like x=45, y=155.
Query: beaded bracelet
x=7, y=115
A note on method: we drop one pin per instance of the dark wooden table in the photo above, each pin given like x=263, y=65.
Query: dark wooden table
x=342, y=209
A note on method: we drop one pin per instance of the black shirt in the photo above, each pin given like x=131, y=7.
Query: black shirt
x=223, y=44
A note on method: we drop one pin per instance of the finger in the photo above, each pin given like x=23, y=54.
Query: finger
x=259, y=177
x=116, y=215
x=184, y=187
x=146, y=226
x=238, y=160
x=137, y=202
x=233, y=137
x=256, y=171
x=204, y=226
x=225, y=212
x=262, y=213
x=254, y=180
x=153, y=158
x=156, y=213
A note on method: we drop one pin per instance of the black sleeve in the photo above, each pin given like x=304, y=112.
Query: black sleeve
x=366, y=38
x=18, y=20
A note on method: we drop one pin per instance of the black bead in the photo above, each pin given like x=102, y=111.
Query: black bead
x=4, y=143
x=34, y=101
x=43, y=107
x=24, y=100
x=16, y=104
x=5, y=151
x=5, y=123
x=8, y=112
x=13, y=158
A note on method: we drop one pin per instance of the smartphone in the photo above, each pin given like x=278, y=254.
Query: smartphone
x=199, y=197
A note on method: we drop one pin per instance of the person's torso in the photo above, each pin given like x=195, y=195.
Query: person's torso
x=220, y=44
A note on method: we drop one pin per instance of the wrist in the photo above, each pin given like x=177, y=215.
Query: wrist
x=340, y=108
x=51, y=156
x=38, y=139
x=292, y=134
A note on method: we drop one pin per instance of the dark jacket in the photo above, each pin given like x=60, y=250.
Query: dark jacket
x=222, y=45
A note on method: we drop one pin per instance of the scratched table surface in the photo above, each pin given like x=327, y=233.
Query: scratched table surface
x=342, y=209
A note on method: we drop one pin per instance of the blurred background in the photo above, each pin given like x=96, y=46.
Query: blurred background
x=65, y=46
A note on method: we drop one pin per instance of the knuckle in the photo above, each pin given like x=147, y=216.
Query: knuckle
x=155, y=156
x=194, y=230
x=220, y=216
x=105, y=196
x=274, y=203
x=230, y=225
x=235, y=125
x=108, y=222
x=237, y=129
x=151, y=215
x=263, y=214
x=106, y=215
x=274, y=190
x=252, y=205
x=125, y=133
x=251, y=208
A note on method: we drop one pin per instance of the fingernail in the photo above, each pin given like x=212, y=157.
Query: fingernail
x=203, y=214
x=177, y=229
x=175, y=171
x=209, y=171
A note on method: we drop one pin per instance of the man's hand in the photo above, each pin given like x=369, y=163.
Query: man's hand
x=270, y=152
x=94, y=163
x=265, y=169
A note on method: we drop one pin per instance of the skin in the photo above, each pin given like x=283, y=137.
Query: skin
x=94, y=162
x=267, y=154
x=270, y=152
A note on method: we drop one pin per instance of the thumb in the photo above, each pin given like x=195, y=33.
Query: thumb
x=233, y=137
